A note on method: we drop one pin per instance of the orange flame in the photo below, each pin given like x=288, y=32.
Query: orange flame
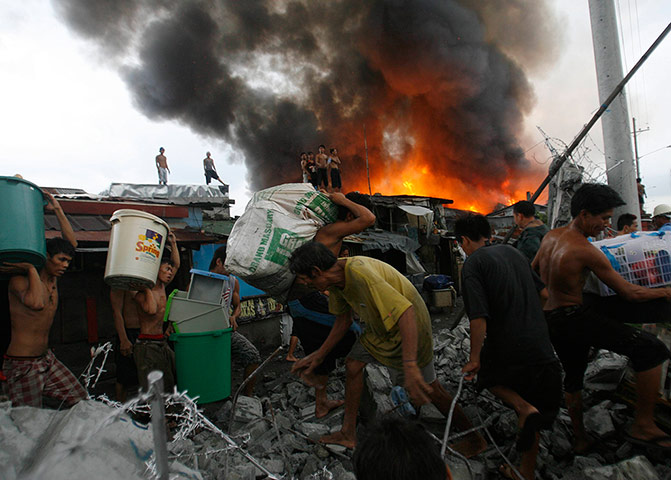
x=413, y=176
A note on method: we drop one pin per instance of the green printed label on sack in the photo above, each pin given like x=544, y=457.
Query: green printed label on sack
x=282, y=244
x=326, y=210
x=265, y=237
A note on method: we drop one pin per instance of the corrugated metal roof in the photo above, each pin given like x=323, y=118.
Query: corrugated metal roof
x=89, y=223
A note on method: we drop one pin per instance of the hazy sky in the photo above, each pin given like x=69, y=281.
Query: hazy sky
x=67, y=119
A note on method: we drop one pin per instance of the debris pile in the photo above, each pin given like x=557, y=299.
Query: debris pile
x=275, y=435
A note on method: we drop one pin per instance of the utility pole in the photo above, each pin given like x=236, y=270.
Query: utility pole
x=620, y=167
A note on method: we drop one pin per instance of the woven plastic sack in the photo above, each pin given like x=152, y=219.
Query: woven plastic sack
x=276, y=221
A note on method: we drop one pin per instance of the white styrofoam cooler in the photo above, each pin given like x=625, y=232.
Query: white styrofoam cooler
x=136, y=245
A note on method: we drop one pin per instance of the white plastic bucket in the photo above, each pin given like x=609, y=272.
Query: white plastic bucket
x=136, y=245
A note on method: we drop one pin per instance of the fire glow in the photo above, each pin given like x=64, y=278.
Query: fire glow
x=414, y=176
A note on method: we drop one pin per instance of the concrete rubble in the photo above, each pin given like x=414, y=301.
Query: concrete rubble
x=278, y=428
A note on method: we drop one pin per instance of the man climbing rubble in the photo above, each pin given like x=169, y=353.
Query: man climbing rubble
x=511, y=351
x=31, y=368
x=562, y=261
x=397, y=333
x=309, y=307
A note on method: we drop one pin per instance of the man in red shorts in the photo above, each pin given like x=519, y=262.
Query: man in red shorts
x=31, y=368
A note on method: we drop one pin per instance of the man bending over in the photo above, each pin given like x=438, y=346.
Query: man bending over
x=397, y=332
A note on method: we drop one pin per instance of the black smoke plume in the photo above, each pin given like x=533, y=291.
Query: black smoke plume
x=444, y=80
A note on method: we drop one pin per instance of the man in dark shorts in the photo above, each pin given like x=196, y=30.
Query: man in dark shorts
x=210, y=169
x=312, y=325
x=309, y=308
x=562, y=261
x=321, y=163
x=511, y=351
x=127, y=326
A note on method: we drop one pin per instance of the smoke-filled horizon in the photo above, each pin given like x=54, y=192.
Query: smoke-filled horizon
x=439, y=85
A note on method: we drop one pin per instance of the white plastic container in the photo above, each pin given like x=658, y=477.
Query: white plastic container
x=641, y=258
x=136, y=245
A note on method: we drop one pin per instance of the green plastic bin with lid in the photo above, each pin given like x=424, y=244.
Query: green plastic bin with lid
x=22, y=222
x=203, y=362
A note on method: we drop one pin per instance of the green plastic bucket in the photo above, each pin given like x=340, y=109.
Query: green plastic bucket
x=204, y=364
x=22, y=222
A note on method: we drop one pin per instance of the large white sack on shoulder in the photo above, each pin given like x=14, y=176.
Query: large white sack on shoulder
x=276, y=221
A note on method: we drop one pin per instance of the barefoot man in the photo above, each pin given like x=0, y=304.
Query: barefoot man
x=31, y=368
x=511, y=351
x=564, y=259
x=309, y=307
x=151, y=351
x=397, y=332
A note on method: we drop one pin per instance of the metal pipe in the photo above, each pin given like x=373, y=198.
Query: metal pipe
x=155, y=381
x=246, y=381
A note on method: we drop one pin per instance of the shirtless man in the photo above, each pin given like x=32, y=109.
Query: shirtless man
x=31, y=368
x=127, y=325
x=321, y=163
x=335, y=182
x=162, y=167
x=309, y=307
x=151, y=351
x=563, y=261
x=210, y=170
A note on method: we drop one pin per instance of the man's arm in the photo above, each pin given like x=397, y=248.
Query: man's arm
x=599, y=264
x=334, y=232
x=338, y=331
x=28, y=289
x=417, y=388
x=116, y=299
x=66, y=229
x=174, y=251
x=235, y=303
x=146, y=301
x=478, y=332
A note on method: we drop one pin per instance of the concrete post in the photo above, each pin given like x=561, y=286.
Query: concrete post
x=155, y=381
x=620, y=168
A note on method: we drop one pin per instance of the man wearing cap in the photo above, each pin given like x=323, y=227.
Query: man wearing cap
x=661, y=217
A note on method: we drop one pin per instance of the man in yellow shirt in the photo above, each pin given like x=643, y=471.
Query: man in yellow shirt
x=397, y=333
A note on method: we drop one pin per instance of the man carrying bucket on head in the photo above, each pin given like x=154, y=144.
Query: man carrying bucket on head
x=127, y=325
x=151, y=351
x=31, y=368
